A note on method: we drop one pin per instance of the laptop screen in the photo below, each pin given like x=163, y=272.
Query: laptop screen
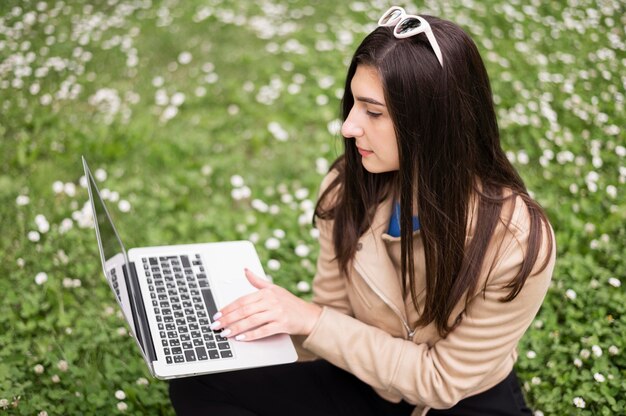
x=112, y=251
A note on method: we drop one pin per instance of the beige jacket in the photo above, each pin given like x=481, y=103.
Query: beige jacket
x=364, y=327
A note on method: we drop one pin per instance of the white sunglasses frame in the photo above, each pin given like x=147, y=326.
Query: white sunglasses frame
x=424, y=27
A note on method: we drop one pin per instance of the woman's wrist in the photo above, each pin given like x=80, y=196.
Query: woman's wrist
x=313, y=315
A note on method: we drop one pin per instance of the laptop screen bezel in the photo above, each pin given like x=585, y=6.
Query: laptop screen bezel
x=141, y=339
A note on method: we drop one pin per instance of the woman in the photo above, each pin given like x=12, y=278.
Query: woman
x=433, y=259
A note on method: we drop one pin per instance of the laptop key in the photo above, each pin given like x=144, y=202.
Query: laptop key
x=201, y=353
x=197, y=342
x=179, y=359
x=190, y=355
x=185, y=261
x=213, y=354
x=177, y=350
x=169, y=360
x=226, y=354
x=207, y=295
x=223, y=346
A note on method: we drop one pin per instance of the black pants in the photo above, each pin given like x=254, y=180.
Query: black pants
x=317, y=388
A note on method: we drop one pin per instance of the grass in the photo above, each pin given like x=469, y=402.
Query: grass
x=101, y=81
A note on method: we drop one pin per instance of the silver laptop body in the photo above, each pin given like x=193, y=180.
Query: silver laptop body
x=168, y=295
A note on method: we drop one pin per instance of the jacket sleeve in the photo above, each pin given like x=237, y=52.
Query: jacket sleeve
x=440, y=375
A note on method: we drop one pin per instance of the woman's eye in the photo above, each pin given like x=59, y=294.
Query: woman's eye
x=372, y=114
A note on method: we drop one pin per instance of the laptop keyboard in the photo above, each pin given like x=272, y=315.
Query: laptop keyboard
x=184, y=308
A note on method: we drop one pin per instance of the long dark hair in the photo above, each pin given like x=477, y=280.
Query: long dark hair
x=449, y=151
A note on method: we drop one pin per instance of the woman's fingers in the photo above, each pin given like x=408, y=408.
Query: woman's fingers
x=251, y=323
x=257, y=281
x=239, y=310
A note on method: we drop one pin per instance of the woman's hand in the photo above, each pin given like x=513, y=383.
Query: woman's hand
x=271, y=310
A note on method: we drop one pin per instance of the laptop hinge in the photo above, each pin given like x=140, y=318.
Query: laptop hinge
x=142, y=329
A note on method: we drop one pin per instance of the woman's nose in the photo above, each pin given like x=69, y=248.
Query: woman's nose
x=350, y=128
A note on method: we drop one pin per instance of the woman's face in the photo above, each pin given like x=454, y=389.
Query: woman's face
x=369, y=123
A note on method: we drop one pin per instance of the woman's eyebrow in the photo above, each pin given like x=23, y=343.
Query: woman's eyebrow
x=370, y=101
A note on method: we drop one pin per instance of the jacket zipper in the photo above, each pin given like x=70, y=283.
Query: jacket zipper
x=409, y=331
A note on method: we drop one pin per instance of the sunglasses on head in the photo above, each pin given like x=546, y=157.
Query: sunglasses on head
x=407, y=25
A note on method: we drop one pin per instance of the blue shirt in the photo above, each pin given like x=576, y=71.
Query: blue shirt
x=394, y=223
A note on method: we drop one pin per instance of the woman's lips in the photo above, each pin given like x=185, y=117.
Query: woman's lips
x=364, y=153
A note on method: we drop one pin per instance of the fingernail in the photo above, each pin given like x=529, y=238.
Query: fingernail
x=246, y=270
x=215, y=325
x=217, y=316
x=240, y=337
x=226, y=332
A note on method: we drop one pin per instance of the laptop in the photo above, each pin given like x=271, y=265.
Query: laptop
x=169, y=294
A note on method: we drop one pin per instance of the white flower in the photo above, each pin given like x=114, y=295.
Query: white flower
x=69, y=189
x=531, y=354
x=236, y=181
x=38, y=369
x=522, y=157
x=62, y=365
x=315, y=233
x=42, y=413
x=57, y=187
x=4, y=403
x=579, y=402
x=303, y=286
x=613, y=350
x=142, y=381
x=334, y=127
x=22, y=200
x=278, y=131
x=570, y=294
x=535, y=380
x=321, y=165
x=538, y=413
x=121, y=406
x=597, y=351
x=178, y=99
x=236, y=194
x=615, y=282
x=169, y=113
x=55, y=378
x=259, y=205
x=578, y=362
x=121, y=331
x=302, y=250
x=302, y=193
x=272, y=243
x=33, y=236
x=65, y=225
x=278, y=233
x=42, y=224
x=584, y=353
x=124, y=205
x=100, y=175
x=233, y=109
x=41, y=278
x=599, y=378
x=206, y=170
x=120, y=395
x=273, y=264
x=184, y=58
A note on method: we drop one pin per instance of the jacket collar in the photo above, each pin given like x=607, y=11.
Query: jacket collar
x=374, y=264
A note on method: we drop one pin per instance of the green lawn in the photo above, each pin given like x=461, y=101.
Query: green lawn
x=217, y=119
